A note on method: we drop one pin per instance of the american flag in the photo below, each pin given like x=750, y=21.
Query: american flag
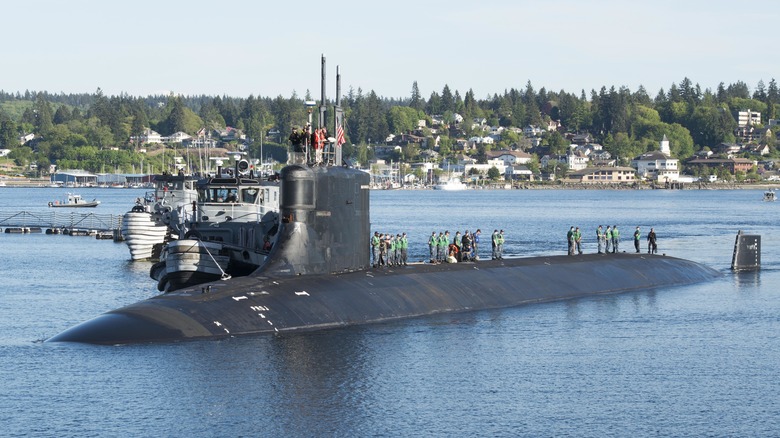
x=340, y=135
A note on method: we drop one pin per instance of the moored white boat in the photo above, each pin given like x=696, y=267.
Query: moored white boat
x=451, y=184
x=75, y=201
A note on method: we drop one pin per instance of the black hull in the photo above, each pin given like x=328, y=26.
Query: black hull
x=253, y=305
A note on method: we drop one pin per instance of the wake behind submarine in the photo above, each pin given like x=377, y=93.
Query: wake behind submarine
x=318, y=276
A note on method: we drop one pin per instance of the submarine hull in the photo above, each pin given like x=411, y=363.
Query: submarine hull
x=248, y=305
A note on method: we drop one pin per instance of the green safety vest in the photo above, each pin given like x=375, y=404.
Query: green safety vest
x=375, y=241
x=637, y=235
x=442, y=241
x=615, y=233
x=433, y=241
x=404, y=243
x=599, y=233
x=608, y=234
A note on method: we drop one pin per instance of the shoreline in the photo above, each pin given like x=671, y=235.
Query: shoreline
x=44, y=183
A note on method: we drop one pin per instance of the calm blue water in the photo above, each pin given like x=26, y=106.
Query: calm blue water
x=699, y=360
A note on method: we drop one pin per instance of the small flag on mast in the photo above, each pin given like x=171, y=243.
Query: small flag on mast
x=340, y=135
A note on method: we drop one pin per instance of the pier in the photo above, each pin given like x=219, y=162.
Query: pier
x=102, y=226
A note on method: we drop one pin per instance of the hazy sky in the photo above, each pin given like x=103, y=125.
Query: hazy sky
x=238, y=48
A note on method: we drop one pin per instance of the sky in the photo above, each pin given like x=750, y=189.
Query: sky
x=240, y=48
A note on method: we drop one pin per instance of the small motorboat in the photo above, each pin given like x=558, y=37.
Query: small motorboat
x=75, y=201
x=769, y=196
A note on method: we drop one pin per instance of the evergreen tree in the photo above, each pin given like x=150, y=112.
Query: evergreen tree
x=447, y=100
x=416, y=100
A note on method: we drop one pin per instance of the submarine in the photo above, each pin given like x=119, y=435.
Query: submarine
x=318, y=274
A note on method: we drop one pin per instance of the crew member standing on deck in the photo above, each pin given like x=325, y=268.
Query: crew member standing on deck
x=578, y=240
x=442, y=251
x=494, y=241
x=651, y=245
x=433, y=244
x=475, y=241
x=600, y=238
x=570, y=241
x=404, y=248
x=615, y=238
x=375, y=248
x=501, y=245
x=637, y=236
x=608, y=239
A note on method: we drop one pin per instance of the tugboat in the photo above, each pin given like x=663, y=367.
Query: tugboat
x=232, y=229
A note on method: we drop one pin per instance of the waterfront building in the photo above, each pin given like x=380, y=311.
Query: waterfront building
x=657, y=166
x=603, y=175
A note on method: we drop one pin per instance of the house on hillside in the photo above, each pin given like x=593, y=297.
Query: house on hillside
x=509, y=158
x=23, y=139
x=177, y=137
x=732, y=165
x=148, y=136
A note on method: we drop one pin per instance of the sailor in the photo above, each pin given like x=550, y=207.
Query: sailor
x=608, y=239
x=600, y=238
x=318, y=140
x=615, y=238
x=382, y=250
x=652, y=247
x=570, y=241
x=441, y=247
x=446, y=241
x=578, y=240
x=397, y=250
x=391, y=250
x=457, y=242
x=433, y=243
x=404, y=248
x=375, y=248
x=475, y=252
x=466, y=246
x=494, y=241
x=637, y=236
x=324, y=150
x=297, y=146
x=501, y=245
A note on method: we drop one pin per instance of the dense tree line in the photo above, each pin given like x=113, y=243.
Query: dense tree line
x=93, y=131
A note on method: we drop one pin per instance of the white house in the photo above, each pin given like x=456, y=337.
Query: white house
x=577, y=161
x=658, y=165
x=509, y=158
x=178, y=137
x=25, y=138
x=149, y=136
